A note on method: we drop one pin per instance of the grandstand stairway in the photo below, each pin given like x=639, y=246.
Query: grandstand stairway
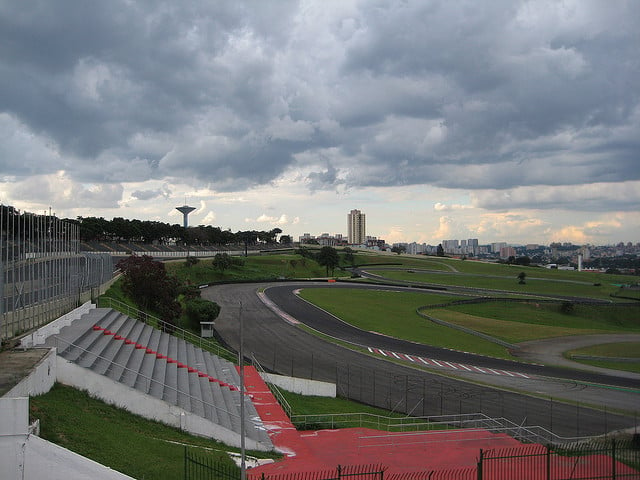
x=161, y=365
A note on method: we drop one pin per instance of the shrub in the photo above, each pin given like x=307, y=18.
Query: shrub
x=199, y=310
x=567, y=308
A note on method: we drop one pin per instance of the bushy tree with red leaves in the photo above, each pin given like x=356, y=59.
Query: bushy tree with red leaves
x=146, y=281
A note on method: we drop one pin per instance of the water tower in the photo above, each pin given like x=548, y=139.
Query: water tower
x=185, y=210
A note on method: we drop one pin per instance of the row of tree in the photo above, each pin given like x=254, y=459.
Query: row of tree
x=145, y=231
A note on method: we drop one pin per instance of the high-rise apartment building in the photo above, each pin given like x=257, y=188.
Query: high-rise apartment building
x=356, y=227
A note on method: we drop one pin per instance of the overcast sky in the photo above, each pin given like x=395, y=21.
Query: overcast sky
x=498, y=120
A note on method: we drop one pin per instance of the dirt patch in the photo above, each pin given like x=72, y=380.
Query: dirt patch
x=16, y=365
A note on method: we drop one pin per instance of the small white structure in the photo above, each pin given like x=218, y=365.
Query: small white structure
x=206, y=329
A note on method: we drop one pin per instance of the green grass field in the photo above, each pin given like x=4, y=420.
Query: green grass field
x=394, y=314
x=613, y=350
x=255, y=268
x=548, y=285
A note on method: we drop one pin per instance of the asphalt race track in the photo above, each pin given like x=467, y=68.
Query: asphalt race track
x=282, y=347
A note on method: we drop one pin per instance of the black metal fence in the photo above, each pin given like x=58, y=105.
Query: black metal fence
x=607, y=460
x=586, y=461
x=201, y=467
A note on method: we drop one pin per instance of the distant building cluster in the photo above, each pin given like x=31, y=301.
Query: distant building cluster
x=356, y=235
x=556, y=255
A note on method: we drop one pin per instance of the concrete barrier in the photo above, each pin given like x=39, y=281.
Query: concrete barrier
x=301, y=386
x=40, y=379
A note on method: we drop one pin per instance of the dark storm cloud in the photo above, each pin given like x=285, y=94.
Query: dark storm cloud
x=231, y=95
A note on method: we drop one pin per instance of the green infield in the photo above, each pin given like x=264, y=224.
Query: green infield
x=547, y=285
x=612, y=350
x=394, y=314
x=572, y=316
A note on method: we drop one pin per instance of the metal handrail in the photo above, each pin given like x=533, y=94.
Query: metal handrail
x=274, y=389
x=176, y=331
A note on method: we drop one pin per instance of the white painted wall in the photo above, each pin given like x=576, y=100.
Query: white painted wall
x=301, y=385
x=40, y=379
x=39, y=336
x=146, y=406
x=27, y=457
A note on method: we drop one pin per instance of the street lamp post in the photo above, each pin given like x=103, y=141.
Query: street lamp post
x=243, y=465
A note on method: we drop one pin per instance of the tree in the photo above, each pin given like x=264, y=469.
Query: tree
x=221, y=261
x=398, y=249
x=147, y=282
x=285, y=239
x=328, y=257
x=191, y=260
x=199, y=310
x=521, y=277
x=349, y=257
x=440, y=250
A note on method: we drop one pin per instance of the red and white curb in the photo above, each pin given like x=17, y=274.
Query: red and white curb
x=430, y=362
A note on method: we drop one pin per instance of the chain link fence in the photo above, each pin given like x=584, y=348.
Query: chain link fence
x=42, y=272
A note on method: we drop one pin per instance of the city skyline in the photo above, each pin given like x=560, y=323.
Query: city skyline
x=511, y=121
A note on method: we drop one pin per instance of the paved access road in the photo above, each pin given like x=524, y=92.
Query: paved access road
x=288, y=349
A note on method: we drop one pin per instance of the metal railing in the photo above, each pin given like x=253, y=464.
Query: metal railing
x=274, y=388
x=155, y=322
x=86, y=354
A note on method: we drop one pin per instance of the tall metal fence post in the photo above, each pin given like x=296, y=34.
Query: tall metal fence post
x=479, y=468
x=548, y=462
x=613, y=458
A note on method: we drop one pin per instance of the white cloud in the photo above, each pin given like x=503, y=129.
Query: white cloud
x=285, y=110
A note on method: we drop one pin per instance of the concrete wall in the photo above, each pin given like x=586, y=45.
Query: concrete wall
x=24, y=456
x=301, y=385
x=43, y=459
x=40, y=379
x=146, y=406
x=39, y=336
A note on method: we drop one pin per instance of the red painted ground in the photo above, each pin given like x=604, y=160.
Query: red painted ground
x=453, y=454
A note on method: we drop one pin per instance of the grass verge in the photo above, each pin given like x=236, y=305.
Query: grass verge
x=118, y=439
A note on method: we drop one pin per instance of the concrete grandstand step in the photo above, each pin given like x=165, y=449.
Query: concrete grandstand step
x=207, y=399
x=232, y=402
x=182, y=352
x=170, y=390
x=132, y=369
x=224, y=417
x=145, y=372
x=101, y=365
x=74, y=339
x=197, y=405
x=172, y=349
x=120, y=360
x=158, y=377
x=101, y=343
x=184, y=395
x=197, y=397
x=163, y=344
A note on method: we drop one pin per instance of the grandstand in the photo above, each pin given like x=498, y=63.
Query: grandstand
x=118, y=354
